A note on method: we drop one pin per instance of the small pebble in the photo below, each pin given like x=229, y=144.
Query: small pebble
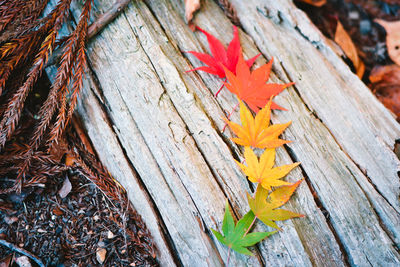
x=365, y=26
x=10, y=220
x=110, y=235
x=65, y=189
x=58, y=230
x=354, y=15
x=101, y=255
x=23, y=261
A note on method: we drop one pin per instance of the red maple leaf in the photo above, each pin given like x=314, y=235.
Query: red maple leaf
x=251, y=87
x=221, y=57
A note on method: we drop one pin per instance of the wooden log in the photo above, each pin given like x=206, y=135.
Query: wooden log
x=159, y=131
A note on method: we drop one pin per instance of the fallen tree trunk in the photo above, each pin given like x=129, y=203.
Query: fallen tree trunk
x=159, y=132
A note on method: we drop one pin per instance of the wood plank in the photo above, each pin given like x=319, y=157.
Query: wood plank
x=167, y=125
x=310, y=126
x=319, y=240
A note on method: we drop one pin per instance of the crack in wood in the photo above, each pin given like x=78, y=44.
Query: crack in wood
x=315, y=115
x=321, y=206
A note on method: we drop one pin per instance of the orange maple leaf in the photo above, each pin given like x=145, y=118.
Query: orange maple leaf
x=251, y=87
x=343, y=39
x=262, y=171
x=257, y=132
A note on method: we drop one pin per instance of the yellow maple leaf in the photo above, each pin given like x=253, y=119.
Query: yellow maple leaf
x=257, y=132
x=262, y=171
x=264, y=205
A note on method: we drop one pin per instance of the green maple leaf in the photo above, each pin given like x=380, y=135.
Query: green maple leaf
x=235, y=237
x=264, y=205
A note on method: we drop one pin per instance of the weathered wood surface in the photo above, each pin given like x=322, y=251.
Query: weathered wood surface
x=159, y=131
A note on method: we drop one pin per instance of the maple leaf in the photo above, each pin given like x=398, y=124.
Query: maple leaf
x=220, y=57
x=257, y=132
x=385, y=83
x=317, y=3
x=392, y=38
x=251, y=87
x=191, y=6
x=262, y=171
x=265, y=206
x=235, y=236
x=343, y=39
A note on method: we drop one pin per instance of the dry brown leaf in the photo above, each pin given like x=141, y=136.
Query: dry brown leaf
x=190, y=7
x=57, y=211
x=388, y=74
x=392, y=38
x=317, y=3
x=70, y=159
x=343, y=39
x=385, y=83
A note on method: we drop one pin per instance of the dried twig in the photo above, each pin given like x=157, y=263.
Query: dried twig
x=21, y=251
x=94, y=28
x=107, y=17
x=229, y=11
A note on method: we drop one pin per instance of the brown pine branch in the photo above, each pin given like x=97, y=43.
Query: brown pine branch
x=23, y=19
x=9, y=10
x=31, y=43
x=14, y=108
x=80, y=62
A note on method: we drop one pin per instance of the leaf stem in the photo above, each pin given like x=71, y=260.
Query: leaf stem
x=251, y=225
x=219, y=90
x=229, y=116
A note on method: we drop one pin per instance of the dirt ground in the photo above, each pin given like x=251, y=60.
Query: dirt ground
x=70, y=231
